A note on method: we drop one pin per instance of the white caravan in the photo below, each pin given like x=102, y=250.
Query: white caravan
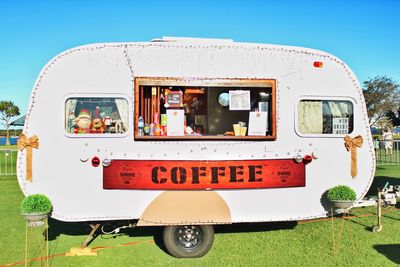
x=189, y=133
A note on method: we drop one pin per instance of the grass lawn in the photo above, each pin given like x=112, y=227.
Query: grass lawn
x=269, y=244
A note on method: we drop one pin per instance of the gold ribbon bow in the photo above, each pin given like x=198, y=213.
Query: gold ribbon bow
x=28, y=143
x=351, y=145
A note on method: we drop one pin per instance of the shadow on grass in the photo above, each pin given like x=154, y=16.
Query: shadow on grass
x=393, y=215
x=366, y=226
x=56, y=228
x=390, y=251
x=157, y=231
x=254, y=227
x=143, y=231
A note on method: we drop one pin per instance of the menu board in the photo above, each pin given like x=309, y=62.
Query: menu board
x=340, y=125
x=239, y=100
x=173, y=99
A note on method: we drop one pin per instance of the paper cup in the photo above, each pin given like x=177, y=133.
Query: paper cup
x=236, y=129
x=243, y=131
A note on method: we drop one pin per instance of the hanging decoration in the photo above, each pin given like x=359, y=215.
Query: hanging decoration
x=351, y=145
x=28, y=143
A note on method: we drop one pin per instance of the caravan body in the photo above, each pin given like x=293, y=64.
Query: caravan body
x=206, y=173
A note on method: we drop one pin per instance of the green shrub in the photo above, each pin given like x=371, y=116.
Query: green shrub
x=36, y=203
x=341, y=192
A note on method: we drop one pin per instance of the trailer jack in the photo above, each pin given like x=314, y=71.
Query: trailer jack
x=84, y=250
x=377, y=228
x=387, y=196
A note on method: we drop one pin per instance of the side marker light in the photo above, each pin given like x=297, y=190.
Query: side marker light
x=95, y=161
x=307, y=159
x=318, y=64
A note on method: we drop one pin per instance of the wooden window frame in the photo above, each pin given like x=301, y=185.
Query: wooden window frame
x=204, y=82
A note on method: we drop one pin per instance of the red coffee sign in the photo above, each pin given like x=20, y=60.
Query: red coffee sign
x=197, y=175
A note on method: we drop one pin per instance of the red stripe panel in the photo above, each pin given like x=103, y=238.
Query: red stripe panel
x=197, y=175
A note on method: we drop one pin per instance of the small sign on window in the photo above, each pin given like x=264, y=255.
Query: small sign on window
x=340, y=125
x=175, y=118
x=239, y=100
x=258, y=123
x=173, y=99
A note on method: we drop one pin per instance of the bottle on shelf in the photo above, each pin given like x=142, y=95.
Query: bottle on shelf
x=156, y=126
x=146, y=129
x=140, y=126
x=151, y=129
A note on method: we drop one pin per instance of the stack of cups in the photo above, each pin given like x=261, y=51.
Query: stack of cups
x=240, y=129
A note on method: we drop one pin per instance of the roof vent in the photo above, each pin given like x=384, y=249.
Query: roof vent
x=191, y=40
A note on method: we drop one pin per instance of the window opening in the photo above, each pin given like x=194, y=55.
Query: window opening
x=96, y=115
x=198, y=109
x=325, y=117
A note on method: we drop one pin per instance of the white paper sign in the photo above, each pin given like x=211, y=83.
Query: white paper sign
x=175, y=118
x=239, y=100
x=258, y=122
x=340, y=125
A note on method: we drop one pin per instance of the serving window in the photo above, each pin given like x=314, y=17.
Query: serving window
x=328, y=117
x=193, y=109
x=96, y=115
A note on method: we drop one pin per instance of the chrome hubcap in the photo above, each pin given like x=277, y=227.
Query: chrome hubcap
x=188, y=237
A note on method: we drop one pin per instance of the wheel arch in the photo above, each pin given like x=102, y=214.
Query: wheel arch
x=186, y=207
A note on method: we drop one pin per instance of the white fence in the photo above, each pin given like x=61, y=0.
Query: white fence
x=8, y=162
x=385, y=155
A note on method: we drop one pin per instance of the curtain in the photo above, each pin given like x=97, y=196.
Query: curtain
x=345, y=108
x=334, y=109
x=70, y=106
x=310, y=117
x=122, y=107
x=340, y=109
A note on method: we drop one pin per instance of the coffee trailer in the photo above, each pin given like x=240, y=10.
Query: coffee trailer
x=188, y=133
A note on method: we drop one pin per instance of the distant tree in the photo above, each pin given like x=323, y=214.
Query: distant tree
x=394, y=117
x=385, y=123
x=7, y=111
x=381, y=96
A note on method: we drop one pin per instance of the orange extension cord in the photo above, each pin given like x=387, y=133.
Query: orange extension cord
x=64, y=254
x=347, y=217
x=152, y=241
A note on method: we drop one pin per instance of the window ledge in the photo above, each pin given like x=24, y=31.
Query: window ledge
x=203, y=137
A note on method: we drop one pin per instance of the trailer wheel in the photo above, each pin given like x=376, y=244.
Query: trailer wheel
x=188, y=241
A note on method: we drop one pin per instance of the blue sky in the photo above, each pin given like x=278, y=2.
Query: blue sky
x=364, y=34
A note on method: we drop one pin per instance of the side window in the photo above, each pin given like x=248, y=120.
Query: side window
x=96, y=115
x=325, y=117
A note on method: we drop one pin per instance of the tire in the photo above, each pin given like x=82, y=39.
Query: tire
x=188, y=241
